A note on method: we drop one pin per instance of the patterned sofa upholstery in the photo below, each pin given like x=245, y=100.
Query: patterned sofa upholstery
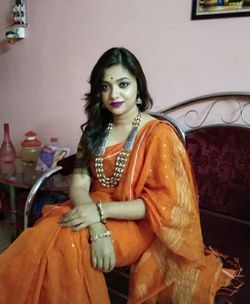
x=221, y=163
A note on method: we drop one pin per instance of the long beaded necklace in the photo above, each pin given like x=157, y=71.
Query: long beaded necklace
x=122, y=156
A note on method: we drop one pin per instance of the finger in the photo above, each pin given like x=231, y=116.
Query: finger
x=94, y=261
x=99, y=263
x=73, y=222
x=79, y=227
x=71, y=216
x=106, y=264
x=66, y=217
x=112, y=263
x=73, y=212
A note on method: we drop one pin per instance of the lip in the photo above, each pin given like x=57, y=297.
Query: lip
x=116, y=104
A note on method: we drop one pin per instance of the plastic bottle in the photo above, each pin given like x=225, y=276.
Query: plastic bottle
x=46, y=155
x=30, y=148
x=7, y=150
x=50, y=154
x=53, y=142
x=54, y=146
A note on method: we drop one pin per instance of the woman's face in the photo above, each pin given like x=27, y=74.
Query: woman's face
x=119, y=90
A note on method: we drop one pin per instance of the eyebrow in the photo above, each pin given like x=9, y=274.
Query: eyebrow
x=118, y=80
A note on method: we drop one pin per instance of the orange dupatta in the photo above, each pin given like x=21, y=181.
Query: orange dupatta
x=175, y=267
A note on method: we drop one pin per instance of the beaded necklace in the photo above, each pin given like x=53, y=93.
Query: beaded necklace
x=122, y=156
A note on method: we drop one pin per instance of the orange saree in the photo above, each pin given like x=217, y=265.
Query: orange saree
x=51, y=264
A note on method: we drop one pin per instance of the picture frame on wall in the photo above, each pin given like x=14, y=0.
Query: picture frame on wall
x=206, y=9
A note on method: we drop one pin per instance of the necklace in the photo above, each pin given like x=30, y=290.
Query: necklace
x=122, y=156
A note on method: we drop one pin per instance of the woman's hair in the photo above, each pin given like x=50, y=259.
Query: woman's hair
x=97, y=116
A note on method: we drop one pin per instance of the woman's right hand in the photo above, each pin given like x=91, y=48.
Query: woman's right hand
x=103, y=254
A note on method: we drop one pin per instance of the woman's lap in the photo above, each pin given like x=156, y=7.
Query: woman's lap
x=130, y=239
x=47, y=253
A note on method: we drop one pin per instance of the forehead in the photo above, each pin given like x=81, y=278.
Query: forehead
x=116, y=72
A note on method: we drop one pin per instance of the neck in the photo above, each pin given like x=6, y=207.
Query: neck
x=125, y=119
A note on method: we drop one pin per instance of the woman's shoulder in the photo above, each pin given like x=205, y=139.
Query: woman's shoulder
x=165, y=133
x=146, y=118
x=158, y=127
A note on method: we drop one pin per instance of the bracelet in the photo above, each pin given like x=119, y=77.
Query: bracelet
x=100, y=211
x=100, y=236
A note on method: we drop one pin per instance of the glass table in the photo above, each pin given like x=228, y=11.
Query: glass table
x=19, y=175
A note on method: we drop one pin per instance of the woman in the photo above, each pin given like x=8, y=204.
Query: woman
x=133, y=201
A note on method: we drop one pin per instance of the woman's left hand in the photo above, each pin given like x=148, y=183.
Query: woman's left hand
x=81, y=217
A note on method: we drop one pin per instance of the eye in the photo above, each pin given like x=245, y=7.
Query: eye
x=123, y=84
x=104, y=87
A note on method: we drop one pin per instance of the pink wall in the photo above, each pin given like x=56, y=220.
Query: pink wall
x=43, y=77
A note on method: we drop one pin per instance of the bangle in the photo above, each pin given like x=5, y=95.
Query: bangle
x=100, y=211
x=93, y=238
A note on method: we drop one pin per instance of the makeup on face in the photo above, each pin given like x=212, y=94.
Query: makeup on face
x=118, y=89
x=116, y=103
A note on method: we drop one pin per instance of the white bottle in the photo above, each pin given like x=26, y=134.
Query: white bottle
x=54, y=143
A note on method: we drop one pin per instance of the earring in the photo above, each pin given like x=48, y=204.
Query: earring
x=138, y=101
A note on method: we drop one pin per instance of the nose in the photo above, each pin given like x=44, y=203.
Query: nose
x=114, y=92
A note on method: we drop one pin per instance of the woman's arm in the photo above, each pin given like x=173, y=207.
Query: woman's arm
x=85, y=213
x=79, y=189
x=79, y=195
x=102, y=250
x=129, y=210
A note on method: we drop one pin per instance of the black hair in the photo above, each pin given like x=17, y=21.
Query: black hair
x=98, y=117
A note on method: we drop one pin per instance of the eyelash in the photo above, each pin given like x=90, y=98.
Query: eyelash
x=122, y=85
x=104, y=87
